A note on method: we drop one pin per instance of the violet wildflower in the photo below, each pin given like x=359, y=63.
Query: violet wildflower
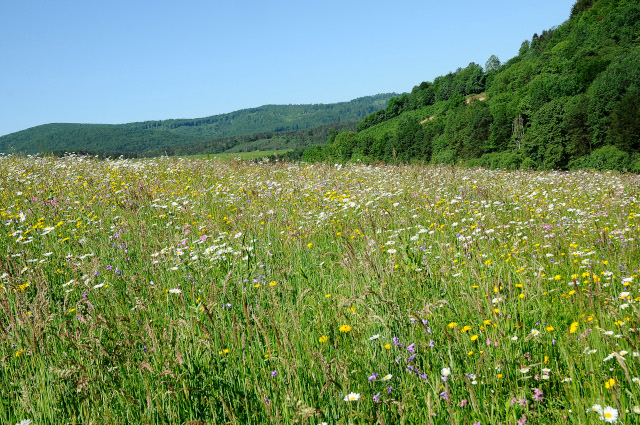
x=274, y=373
x=373, y=377
x=411, y=348
x=538, y=396
x=376, y=398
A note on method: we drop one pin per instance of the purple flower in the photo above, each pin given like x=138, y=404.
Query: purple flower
x=411, y=348
x=538, y=396
x=109, y=266
x=522, y=420
x=395, y=340
x=389, y=389
x=432, y=343
x=373, y=377
x=376, y=398
x=424, y=376
x=443, y=395
x=274, y=373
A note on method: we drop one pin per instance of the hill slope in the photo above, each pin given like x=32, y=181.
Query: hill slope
x=571, y=98
x=158, y=136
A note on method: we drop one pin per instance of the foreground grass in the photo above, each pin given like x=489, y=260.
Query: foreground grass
x=203, y=291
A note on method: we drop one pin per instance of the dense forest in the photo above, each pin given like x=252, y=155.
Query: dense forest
x=569, y=99
x=284, y=122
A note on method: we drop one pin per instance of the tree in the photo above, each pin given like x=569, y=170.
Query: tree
x=493, y=64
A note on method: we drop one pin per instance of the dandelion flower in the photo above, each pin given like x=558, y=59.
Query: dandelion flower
x=345, y=328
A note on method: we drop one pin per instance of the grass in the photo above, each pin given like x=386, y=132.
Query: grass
x=191, y=291
x=242, y=156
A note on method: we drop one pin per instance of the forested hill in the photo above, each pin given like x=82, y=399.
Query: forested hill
x=569, y=99
x=166, y=135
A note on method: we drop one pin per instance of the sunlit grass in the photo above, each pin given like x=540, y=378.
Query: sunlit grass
x=242, y=156
x=178, y=289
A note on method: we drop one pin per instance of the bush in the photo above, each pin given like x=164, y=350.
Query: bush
x=606, y=158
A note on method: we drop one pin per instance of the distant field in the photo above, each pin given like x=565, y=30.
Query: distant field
x=241, y=155
x=193, y=291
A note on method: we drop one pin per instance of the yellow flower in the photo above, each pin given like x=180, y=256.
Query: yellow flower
x=465, y=328
x=323, y=338
x=550, y=328
x=273, y=283
x=573, y=328
x=452, y=325
x=345, y=328
x=387, y=346
x=309, y=245
x=474, y=337
x=499, y=376
x=610, y=383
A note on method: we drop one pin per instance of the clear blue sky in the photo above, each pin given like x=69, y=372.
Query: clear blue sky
x=121, y=61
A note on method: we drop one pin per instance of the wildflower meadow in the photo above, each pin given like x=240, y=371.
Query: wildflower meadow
x=201, y=291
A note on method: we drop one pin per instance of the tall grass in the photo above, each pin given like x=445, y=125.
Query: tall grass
x=190, y=291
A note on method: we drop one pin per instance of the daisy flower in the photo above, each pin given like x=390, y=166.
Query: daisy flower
x=352, y=397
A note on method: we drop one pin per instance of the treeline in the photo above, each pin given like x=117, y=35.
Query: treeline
x=264, y=141
x=149, y=137
x=295, y=141
x=569, y=99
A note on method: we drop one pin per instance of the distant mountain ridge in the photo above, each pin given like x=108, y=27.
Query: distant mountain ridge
x=157, y=136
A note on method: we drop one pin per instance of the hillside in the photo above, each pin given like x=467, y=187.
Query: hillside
x=166, y=135
x=569, y=99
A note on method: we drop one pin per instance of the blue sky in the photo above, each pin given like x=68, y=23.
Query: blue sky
x=122, y=61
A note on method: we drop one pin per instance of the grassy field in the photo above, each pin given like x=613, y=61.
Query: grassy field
x=194, y=291
x=241, y=156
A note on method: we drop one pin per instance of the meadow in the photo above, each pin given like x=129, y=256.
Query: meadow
x=196, y=291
